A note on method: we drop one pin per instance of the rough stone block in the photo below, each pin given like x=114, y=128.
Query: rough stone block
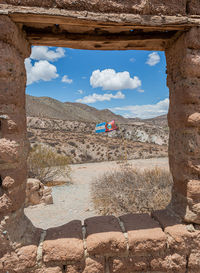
x=5, y=204
x=31, y=3
x=172, y=263
x=180, y=240
x=12, y=35
x=193, y=190
x=144, y=234
x=64, y=243
x=194, y=119
x=27, y=256
x=78, y=267
x=104, y=235
x=171, y=7
x=129, y=264
x=193, y=7
x=9, y=151
x=191, y=63
x=12, y=191
x=12, y=177
x=185, y=116
x=21, y=260
x=94, y=265
x=194, y=261
x=55, y=269
x=90, y=265
x=15, y=124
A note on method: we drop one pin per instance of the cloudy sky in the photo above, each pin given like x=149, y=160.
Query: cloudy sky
x=129, y=83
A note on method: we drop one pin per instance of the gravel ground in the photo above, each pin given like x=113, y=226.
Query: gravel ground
x=73, y=201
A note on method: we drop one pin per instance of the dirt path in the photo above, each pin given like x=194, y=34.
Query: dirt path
x=73, y=201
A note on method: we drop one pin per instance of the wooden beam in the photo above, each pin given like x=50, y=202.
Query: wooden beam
x=35, y=35
x=107, y=41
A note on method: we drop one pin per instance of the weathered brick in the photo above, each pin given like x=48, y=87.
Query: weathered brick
x=94, y=265
x=64, y=243
x=55, y=269
x=194, y=261
x=156, y=7
x=129, y=264
x=171, y=263
x=27, y=256
x=144, y=234
x=89, y=265
x=180, y=240
x=104, y=235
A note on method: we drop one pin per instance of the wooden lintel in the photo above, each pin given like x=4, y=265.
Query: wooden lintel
x=143, y=41
x=108, y=37
x=155, y=45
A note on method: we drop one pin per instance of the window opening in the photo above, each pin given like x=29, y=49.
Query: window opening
x=96, y=123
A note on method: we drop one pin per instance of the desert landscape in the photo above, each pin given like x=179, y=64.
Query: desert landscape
x=69, y=129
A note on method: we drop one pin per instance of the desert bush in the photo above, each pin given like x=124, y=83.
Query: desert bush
x=131, y=191
x=72, y=144
x=44, y=164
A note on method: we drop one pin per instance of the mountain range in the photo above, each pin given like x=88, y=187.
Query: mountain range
x=45, y=107
x=69, y=128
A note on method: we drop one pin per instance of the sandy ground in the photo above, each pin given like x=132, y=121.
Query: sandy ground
x=73, y=201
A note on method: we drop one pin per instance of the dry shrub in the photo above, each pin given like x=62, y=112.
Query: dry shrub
x=131, y=191
x=44, y=164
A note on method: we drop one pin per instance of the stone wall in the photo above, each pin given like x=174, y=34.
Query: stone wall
x=157, y=7
x=183, y=69
x=105, y=244
x=133, y=243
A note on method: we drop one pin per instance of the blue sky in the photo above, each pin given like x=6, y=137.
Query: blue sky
x=130, y=83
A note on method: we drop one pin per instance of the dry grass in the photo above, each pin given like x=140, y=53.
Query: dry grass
x=55, y=183
x=131, y=191
x=44, y=164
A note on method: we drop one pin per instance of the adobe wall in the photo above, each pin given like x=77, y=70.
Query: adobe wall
x=157, y=7
x=162, y=242
x=183, y=80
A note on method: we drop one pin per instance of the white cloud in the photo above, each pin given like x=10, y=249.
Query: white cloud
x=80, y=91
x=143, y=111
x=132, y=60
x=153, y=59
x=84, y=78
x=66, y=79
x=41, y=70
x=44, y=53
x=108, y=79
x=98, y=97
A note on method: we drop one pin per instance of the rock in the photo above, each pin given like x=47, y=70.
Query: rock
x=37, y=193
x=190, y=228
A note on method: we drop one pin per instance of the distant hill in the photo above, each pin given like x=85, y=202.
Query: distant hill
x=69, y=128
x=45, y=107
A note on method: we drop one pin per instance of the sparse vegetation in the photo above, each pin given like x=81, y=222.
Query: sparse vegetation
x=131, y=191
x=44, y=164
x=72, y=143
